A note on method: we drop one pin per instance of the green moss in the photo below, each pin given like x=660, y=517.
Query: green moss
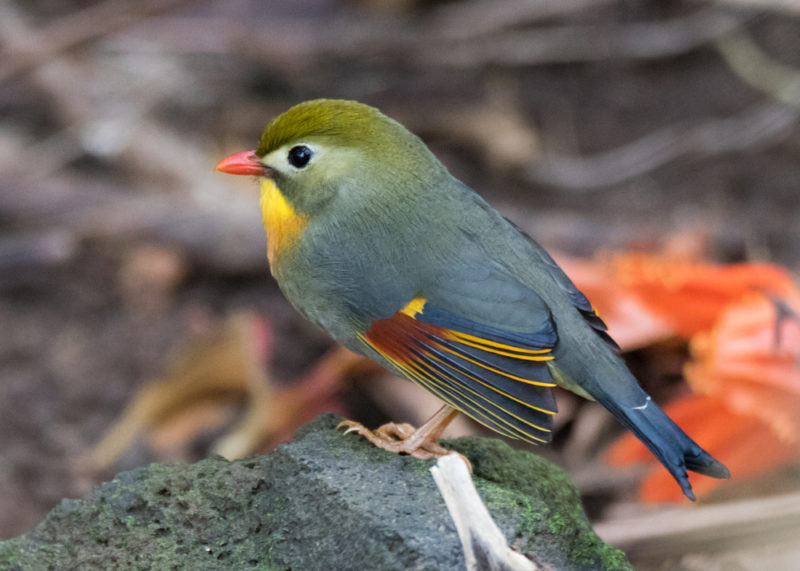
x=325, y=497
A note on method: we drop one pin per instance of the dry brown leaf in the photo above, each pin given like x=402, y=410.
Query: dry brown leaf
x=223, y=365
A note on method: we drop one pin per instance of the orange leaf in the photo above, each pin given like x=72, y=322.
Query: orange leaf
x=751, y=361
x=631, y=322
x=690, y=296
x=646, y=298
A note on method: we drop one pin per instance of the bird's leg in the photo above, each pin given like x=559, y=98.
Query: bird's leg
x=405, y=439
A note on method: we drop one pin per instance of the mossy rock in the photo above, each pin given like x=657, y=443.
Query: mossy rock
x=323, y=501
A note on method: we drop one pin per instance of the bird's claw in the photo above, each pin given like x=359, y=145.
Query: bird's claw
x=400, y=438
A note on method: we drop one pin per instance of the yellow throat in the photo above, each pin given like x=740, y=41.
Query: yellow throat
x=282, y=223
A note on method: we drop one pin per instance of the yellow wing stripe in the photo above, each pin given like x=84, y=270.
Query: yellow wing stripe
x=488, y=386
x=477, y=404
x=415, y=374
x=489, y=401
x=418, y=350
x=463, y=337
x=497, y=371
x=455, y=337
x=416, y=370
x=417, y=305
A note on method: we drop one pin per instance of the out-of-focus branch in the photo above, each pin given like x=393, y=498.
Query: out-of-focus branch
x=723, y=527
x=101, y=128
x=754, y=67
x=759, y=124
x=437, y=42
x=582, y=43
x=35, y=47
x=118, y=129
x=478, y=17
x=791, y=6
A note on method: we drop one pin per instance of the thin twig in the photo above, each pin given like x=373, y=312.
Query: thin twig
x=790, y=6
x=474, y=18
x=700, y=529
x=760, y=124
x=754, y=67
x=485, y=546
x=436, y=42
x=77, y=28
x=586, y=43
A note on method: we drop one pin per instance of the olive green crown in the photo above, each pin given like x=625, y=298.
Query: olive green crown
x=349, y=123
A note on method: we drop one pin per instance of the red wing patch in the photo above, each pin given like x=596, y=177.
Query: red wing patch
x=498, y=378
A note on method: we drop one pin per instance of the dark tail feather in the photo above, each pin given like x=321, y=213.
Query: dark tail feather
x=665, y=439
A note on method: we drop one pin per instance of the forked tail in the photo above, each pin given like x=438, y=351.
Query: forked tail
x=665, y=439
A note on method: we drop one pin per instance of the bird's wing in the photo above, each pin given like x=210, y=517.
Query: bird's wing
x=576, y=296
x=452, y=344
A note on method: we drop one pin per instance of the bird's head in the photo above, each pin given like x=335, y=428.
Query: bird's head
x=318, y=150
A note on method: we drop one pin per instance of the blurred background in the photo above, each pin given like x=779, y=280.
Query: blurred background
x=636, y=140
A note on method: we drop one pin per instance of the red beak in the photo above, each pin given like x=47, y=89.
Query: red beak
x=246, y=163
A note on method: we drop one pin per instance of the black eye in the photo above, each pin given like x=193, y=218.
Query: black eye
x=299, y=156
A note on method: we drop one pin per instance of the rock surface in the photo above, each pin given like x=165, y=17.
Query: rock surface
x=323, y=501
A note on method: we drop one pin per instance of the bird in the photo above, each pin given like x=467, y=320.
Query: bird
x=373, y=239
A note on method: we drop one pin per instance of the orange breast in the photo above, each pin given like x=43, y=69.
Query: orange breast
x=282, y=223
